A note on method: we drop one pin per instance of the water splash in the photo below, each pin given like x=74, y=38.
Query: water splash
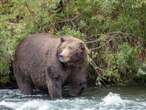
x=112, y=99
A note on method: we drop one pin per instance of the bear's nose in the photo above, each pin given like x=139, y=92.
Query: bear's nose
x=61, y=58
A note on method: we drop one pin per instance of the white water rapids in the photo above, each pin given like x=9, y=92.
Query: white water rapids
x=13, y=100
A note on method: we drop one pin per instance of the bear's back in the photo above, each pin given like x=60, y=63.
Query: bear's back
x=33, y=55
x=36, y=46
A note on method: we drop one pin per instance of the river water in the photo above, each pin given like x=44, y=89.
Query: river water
x=115, y=98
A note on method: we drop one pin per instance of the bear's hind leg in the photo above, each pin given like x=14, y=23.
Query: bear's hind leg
x=24, y=83
x=25, y=87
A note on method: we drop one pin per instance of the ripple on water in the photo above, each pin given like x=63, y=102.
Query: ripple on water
x=14, y=100
x=38, y=104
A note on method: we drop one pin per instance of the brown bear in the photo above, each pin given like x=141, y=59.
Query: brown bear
x=46, y=62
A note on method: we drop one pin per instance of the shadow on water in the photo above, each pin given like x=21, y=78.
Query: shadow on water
x=113, y=98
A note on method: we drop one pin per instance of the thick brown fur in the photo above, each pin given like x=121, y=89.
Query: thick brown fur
x=36, y=65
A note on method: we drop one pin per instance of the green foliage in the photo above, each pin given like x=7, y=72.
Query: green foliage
x=68, y=31
x=84, y=19
x=127, y=61
x=127, y=55
x=118, y=57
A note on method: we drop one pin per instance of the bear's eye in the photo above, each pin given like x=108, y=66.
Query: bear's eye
x=79, y=55
x=62, y=47
x=70, y=47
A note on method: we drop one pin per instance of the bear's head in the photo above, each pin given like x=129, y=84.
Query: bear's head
x=71, y=50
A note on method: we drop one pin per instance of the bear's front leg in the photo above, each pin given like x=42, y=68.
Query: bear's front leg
x=54, y=83
x=78, y=82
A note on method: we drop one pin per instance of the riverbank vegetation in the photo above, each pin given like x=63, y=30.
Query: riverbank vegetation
x=114, y=31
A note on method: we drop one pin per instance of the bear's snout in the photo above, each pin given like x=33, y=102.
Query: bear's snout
x=61, y=58
x=64, y=56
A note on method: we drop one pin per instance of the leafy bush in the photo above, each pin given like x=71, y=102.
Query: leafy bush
x=84, y=19
x=117, y=57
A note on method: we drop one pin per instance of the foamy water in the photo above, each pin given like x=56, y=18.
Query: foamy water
x=97, y=100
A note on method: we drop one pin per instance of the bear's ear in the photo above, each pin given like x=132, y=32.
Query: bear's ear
x=62, y=39
x=82, y=46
